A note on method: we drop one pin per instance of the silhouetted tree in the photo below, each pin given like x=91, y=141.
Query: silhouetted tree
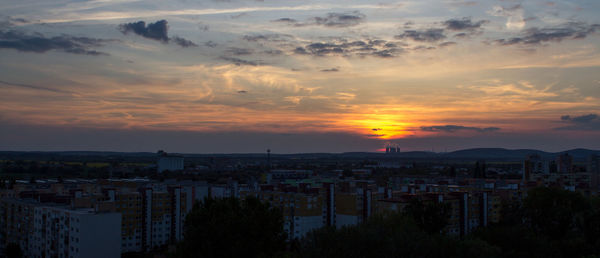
x=554, y=212
x=13, y=250
x=430, y=216
x=233, y=228
x=347, y=173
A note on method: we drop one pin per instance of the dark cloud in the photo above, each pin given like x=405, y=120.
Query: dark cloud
x=454, y=128
x=267, y=37
x=301, y=51
x=210, y=44
x=463, y=24
x=377, y=48
x=334, y=20
x=387, y=52
x=183, y=42
x=421, y=47
x=239, y=51
x=536, y=36
x=288, y=21
x=583, y=122
x=341, y=19
x=321, y=49
x=273, y=52
x=331, y=70
x=242, y=91
x=428, y=35
x=580, y=119
x=39, y=44
x=447, y=44
x=11, y=21
x=239, y=62
x=158, y=30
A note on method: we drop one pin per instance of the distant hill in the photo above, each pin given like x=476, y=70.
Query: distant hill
x=467, y=154
x=487, y=153
x=519, y=154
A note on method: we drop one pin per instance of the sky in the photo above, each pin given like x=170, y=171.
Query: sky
x=232, y=76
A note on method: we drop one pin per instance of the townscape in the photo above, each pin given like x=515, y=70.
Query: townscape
x=142, y=207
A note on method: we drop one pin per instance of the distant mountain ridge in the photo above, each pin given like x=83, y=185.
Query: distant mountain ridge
x=470, y=154
x=498, y=153
x=518, y=153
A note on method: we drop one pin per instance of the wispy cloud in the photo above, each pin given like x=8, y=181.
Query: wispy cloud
x=427, y=35
x=38, y=43
x=70, y=16
x=514, y=15
x=238, y=61
x=589, y=122
x=375, y=48
x=455, y=128
x=536, y=36
x=334, y=20
x=464, y=24
x=33, y=87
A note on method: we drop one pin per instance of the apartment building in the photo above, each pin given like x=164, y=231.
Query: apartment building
x=302, y=211
x=51, y=230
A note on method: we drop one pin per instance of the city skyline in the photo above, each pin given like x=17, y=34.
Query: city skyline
x=299, y=76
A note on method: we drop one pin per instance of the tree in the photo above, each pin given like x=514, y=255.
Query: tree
x=13, y=250
x=393, y=235
x=233, y=228
x=430, y=216
x=347, y=173
x=554, y=212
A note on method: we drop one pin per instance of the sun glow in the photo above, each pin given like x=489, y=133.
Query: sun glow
x=381, y=126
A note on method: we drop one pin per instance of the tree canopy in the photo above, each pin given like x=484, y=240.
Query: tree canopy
x=549, y=222
x=232, y=228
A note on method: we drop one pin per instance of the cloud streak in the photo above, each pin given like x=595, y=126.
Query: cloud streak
x=362, y=48
x=332, y=20
x=33, y=87
x=239, y=62
x=455, y=128
x=589, y=122
x=114, y=15
x=537, y=36
x=40, y=44
x=463, y=24
x=427, y=35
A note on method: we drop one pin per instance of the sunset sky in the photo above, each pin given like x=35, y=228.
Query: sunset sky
x=230, y=76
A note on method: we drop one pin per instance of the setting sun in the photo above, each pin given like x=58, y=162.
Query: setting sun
x=381, y=126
